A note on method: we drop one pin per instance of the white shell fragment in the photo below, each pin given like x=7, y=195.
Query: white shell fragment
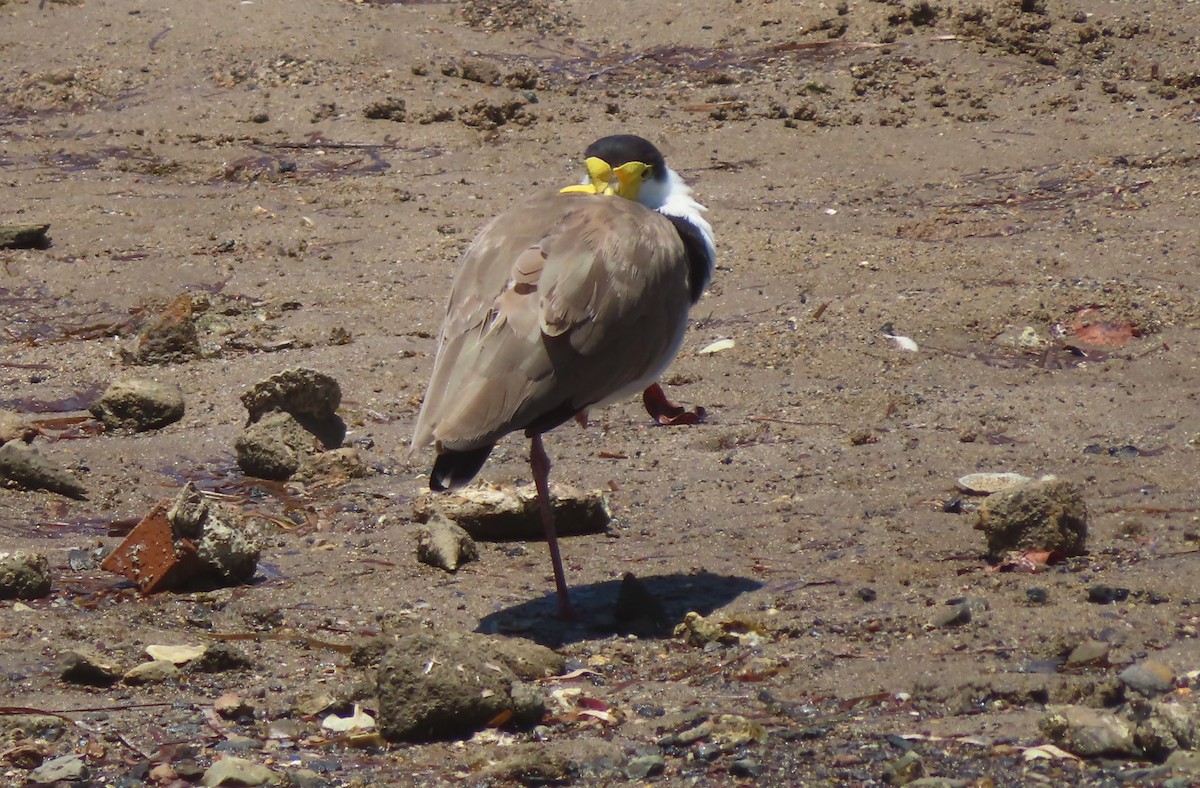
x=904, y=343
x=176, y=655
x=716, y=347
x=358, y=721
x=988, y=483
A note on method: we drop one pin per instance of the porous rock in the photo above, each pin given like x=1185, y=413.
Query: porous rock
x=1088, y=732
x=139, y=404
x=169, y=337
x=300, y=391
x=1047, y=514
x=512, y=513
x=438, y=685
x=444, y=544
x=23, y=575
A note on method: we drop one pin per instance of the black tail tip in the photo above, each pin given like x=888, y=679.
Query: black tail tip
x=456, y=468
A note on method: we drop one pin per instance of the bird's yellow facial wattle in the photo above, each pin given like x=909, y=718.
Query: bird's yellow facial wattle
x=624, y=181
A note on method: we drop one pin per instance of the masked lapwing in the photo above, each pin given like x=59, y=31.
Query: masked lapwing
x=569, y=300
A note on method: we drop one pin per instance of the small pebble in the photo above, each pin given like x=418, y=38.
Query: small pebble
x=1037, y=596
x=1106, y=595
x=867, y=594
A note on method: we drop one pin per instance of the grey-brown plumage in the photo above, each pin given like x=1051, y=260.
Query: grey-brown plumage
x=565, y=302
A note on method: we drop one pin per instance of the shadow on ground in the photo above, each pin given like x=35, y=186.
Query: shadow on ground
x=648, y=607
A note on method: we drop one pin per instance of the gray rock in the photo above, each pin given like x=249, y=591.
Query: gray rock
x=13, y=427
x=27, y=468
x=1089, y=733
x=139, y=404
x=223, y=548
x=446, y=684
x=83, y=666
x=1184, y=762
x=953, y=615
x=531, y=765
x=273, y=447
x=304, y=393
x=65, y=768
x=29, y=726
x=905, y=769
x=236, y=771
x=156, y=671
x=1088, y=652
x=1047, y=514
x=24, y=575
x=1149, y=677
x=644, y=766
x=444, y=544
x=508, y=513
x=1168, y=728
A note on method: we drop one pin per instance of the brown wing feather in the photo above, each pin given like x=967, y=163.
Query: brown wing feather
x=558, y=305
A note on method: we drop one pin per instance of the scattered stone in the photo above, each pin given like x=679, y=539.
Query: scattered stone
x=443, y=544
x=82, y=666
x=700, y=631
x=220, y=657
x=169, y=338
x=186, y=543
x=745, y=767
x=1184, y=761
x=333, y=467
x=905, y=769
x=1166, y=728
x=1089, y=733
x=25, y=467
x=636, y=605
x=358, y=720
x=139, y=404
x=391, y=108
x=23, y=575
x=988, y=483
x=237, y=743
x=66, y=768
x=1106, y=595
x=449, y=684
x=274, y=447
x=292, y=419
x=156, y=671
x=232, y=707
x=1149, y=678
x=24, y=236
x=304, y=393
x=236, y=772
x=494, y=513
x=1089, y=652
x=1048, y=514
x=531, y=765
x=1037, y=596
x=866, y=594
x=31, y=726
x=13, y=427
x=644, y=766
x=954, y=614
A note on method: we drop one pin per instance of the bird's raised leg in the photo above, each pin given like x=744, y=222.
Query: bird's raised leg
x=666, y=412
x=539, y=463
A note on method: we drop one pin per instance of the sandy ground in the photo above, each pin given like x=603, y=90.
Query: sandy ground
x=971, y=177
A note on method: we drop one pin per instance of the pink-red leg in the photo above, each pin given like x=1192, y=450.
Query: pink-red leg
x=539, y=463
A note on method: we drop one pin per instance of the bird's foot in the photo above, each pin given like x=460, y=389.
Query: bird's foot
x=668, y=413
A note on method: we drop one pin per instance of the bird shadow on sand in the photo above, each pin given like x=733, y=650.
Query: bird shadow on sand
x=649, y=607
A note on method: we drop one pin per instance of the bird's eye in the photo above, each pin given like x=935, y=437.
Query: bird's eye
x=647, y=173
